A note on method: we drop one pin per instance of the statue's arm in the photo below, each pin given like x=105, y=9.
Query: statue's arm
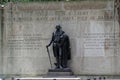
x=51, y=40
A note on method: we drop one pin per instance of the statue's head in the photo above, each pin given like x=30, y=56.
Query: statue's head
x=58, y=27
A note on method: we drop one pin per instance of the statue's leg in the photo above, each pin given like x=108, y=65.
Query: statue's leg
x=58, y=57
x=56, y=54
x=64, y=58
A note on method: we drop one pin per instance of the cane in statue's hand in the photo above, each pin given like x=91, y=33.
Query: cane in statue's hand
x=49, y=55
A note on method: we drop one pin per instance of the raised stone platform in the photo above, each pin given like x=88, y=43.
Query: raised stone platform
x=60, y=72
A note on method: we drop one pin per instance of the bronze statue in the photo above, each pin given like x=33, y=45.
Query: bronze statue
x=61, y=47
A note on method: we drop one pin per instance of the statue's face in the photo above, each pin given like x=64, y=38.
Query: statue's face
x=58, y=27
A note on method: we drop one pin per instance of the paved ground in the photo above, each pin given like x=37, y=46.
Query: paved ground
x=65, y=78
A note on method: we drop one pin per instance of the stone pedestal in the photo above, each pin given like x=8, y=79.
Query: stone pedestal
x=60, y=72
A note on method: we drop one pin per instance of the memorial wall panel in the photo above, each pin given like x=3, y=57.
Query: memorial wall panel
x=92, y=27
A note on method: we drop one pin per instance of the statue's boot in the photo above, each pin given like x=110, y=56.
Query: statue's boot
x=57, y=66
x=61, y=67
x=64, y=66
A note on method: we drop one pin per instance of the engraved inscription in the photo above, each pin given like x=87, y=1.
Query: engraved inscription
x=100, y=40
x=52, y=16
x=25, y=42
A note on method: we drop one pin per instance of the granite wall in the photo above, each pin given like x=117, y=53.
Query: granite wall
x=91, y=25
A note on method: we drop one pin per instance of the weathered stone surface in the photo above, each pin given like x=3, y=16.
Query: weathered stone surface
x=0, y=40
x=91, y=26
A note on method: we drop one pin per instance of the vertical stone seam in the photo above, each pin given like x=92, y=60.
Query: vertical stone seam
x=2, y=27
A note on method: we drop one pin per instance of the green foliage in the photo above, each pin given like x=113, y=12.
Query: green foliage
x=6, y=1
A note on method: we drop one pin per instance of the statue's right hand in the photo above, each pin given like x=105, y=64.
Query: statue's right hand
x=47, y=46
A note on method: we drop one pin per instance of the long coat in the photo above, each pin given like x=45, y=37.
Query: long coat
x=65, y=46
